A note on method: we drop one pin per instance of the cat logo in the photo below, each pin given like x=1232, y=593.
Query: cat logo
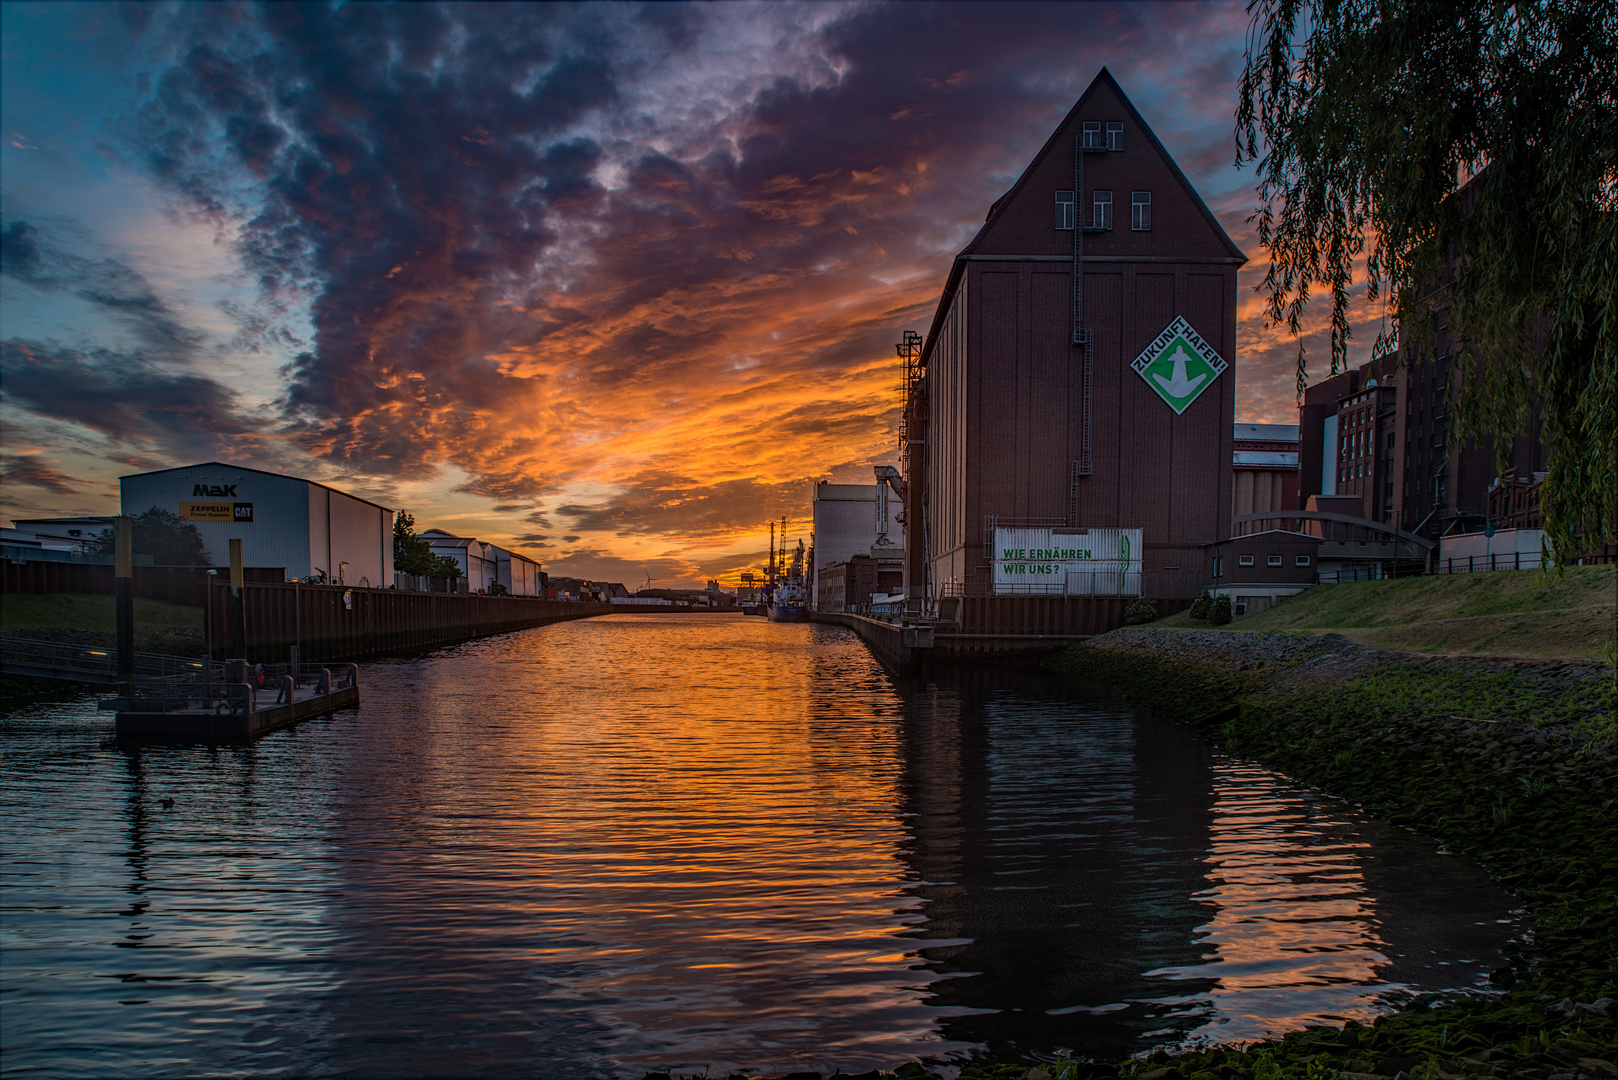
x=241, y=513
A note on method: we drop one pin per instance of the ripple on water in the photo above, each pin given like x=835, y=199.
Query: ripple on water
x=644, y=841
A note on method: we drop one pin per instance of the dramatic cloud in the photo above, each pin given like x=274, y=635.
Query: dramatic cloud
x=36, y=472
x=632, y=274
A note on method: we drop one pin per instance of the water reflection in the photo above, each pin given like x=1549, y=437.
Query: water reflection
x=649, y=841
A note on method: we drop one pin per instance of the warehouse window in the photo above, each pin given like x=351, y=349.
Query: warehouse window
x=1064, y=209
x=1244, y=560
x=1115, y=136
x=1301, y=560
x=1140, y=211
x=1103, y=209
x=1272, y=560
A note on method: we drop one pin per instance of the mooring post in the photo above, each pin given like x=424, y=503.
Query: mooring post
x=124, y=587
x=238, y=602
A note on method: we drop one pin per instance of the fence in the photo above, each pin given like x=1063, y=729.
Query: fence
x=1515, y=560
x=173, y=584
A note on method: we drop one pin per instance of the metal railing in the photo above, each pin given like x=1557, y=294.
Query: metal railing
x=233, y=687
x=22, y=655
x=1500, y=560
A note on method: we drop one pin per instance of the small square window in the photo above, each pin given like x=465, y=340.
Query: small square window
x=1300, y=560
x=1064, y=209
x=1272, y=560
x=1140, y=211
x=1115, y=136
x=1244, y=560
x=1103, y=209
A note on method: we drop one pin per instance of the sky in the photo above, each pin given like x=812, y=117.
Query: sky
x=610, y=284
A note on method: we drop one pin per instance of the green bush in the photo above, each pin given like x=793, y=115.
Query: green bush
x=1219, y=610
x=1143, y=610
x=1199, y=606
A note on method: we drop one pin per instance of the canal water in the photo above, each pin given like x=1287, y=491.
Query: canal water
x=653, y=841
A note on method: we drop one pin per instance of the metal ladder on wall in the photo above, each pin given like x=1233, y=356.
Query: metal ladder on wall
x=1089, y=140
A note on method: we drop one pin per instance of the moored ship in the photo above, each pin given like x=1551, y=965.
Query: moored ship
x=789, y=603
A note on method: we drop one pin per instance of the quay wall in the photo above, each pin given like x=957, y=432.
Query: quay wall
x=331, y=622
x=1044, y=616
x=899, y=647
x=186, y=585
x=1513, y=763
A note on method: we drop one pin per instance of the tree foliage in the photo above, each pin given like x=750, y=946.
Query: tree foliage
x=413, y=555
x=1368, y=118
x=162, y=535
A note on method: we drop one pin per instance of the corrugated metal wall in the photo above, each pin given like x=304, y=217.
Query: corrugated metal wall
x=330, y=623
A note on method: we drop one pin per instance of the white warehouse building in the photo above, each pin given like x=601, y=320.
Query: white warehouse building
x=306, y=527
x=854, y=519
x=484, y=564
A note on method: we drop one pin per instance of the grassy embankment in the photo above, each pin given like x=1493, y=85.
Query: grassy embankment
x=1525, y=613
x=87, y=619
x=1510, y=763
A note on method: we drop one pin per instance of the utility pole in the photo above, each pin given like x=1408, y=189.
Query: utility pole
x=238, y=603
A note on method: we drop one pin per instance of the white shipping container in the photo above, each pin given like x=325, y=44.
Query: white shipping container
x=1067, y=562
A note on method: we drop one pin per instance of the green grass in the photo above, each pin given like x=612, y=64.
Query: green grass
x=1521, y=613
x=159, y=626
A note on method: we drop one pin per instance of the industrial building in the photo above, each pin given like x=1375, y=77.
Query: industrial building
x=1264, y=463
x=853, y=520
x=1380, y=433
x=518, y=574
x=307, y=528
x=72, y=534
x=479, y=566
x=1067, y=432
x=485, y=565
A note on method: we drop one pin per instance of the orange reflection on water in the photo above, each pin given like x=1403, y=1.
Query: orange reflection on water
x=1294, y=939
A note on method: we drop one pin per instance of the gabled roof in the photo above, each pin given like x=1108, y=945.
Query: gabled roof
x=1267, y=432
x=1103, y=78
x=261, y=472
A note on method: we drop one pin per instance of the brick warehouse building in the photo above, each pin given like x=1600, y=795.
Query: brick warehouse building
x=1082, y=422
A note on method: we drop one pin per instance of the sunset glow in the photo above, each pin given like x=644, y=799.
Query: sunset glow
x=612, y=285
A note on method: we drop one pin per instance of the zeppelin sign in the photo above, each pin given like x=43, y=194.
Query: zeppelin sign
x=1179, y=365
x=1067, y=562
x=216, y=511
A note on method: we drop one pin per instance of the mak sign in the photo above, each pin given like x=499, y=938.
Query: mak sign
x=1179, y=365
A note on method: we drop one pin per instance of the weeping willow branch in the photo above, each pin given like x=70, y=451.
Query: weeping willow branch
x=1475, y=146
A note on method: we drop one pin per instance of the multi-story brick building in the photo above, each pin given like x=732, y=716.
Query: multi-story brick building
x=1382, y=433
x=1074, y=380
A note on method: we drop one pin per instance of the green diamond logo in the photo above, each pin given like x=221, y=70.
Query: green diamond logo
x=1179, y=365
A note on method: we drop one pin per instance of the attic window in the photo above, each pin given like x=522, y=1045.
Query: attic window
x=1115, y=136
x=1103, y=209
x=1140, y=211
x=1064, y=209
x=1092, y=135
